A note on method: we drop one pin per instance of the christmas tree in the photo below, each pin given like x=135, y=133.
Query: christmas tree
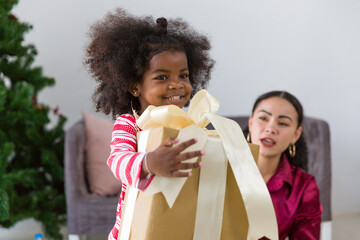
x=31, y=151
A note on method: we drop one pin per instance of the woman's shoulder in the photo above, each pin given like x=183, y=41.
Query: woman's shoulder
x=303, y=178
x=306, y=186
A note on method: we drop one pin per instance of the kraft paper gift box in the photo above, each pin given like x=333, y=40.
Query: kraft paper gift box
x=225, y=199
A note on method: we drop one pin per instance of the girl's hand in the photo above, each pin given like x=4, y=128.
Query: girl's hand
x=166, y=160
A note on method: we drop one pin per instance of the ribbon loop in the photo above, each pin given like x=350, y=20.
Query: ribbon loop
x=169, y=116
x=202, y=104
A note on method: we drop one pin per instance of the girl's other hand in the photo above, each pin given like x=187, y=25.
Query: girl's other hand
x=166, y=160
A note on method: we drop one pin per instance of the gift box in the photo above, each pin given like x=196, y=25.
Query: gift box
x=225, y=199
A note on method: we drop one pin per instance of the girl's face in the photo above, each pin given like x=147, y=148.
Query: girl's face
x=273, y=126
x=166, y=81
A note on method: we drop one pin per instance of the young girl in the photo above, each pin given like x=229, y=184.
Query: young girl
x=275, y=125
x=139, y=62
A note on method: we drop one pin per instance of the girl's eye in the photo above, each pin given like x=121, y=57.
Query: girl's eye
x=162, y=77
x=184, y=76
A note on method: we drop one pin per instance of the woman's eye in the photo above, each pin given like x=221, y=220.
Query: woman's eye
x=283, y=124
x=262, y=118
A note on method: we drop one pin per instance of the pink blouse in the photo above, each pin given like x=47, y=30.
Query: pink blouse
x=296, y=200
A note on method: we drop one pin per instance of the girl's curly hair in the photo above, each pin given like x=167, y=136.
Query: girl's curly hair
x=122, y=46
x=301, y=157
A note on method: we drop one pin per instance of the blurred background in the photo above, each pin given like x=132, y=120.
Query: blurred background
x=309, y=48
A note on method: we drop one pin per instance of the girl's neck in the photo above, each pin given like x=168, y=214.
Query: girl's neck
x=268, y=166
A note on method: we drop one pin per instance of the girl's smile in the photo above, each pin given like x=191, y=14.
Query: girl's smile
x=166, y=81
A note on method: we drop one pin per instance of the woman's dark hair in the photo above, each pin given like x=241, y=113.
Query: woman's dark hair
x=301, y=157
x=122, y=46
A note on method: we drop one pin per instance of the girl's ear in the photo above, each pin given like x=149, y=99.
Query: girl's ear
x=135, y=90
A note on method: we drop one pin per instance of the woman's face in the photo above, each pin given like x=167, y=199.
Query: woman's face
x=273, y=126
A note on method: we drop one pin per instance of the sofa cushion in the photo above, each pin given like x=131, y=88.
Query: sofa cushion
x=98, y=137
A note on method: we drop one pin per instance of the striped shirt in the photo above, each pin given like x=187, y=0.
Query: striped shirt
x=125, y=162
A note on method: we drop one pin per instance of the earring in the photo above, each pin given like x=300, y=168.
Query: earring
x=134, y=111
x=292, y=150
x=248, y=137
x=136, y=93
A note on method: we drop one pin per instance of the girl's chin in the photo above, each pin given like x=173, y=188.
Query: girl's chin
x=180, y=105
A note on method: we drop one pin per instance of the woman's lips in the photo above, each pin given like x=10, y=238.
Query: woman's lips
x=268, y=142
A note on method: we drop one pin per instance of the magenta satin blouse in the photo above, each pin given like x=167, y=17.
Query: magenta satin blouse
x=296, y=200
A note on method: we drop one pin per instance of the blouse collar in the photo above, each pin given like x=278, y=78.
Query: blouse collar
x=282, y=175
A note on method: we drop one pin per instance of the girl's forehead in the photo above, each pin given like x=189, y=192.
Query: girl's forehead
x=168, y=57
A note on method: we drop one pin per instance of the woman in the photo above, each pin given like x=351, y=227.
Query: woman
x=275, y=125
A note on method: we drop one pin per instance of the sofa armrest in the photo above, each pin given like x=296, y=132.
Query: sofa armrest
x=75, y=140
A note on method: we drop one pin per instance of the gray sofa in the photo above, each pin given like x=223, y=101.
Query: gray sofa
x=88, y=214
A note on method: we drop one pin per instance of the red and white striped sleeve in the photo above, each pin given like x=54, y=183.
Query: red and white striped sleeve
x=124, y=160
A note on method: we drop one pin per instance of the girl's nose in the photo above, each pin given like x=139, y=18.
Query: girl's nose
x=175, y=83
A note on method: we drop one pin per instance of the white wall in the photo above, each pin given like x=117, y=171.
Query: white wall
x=309, y=47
